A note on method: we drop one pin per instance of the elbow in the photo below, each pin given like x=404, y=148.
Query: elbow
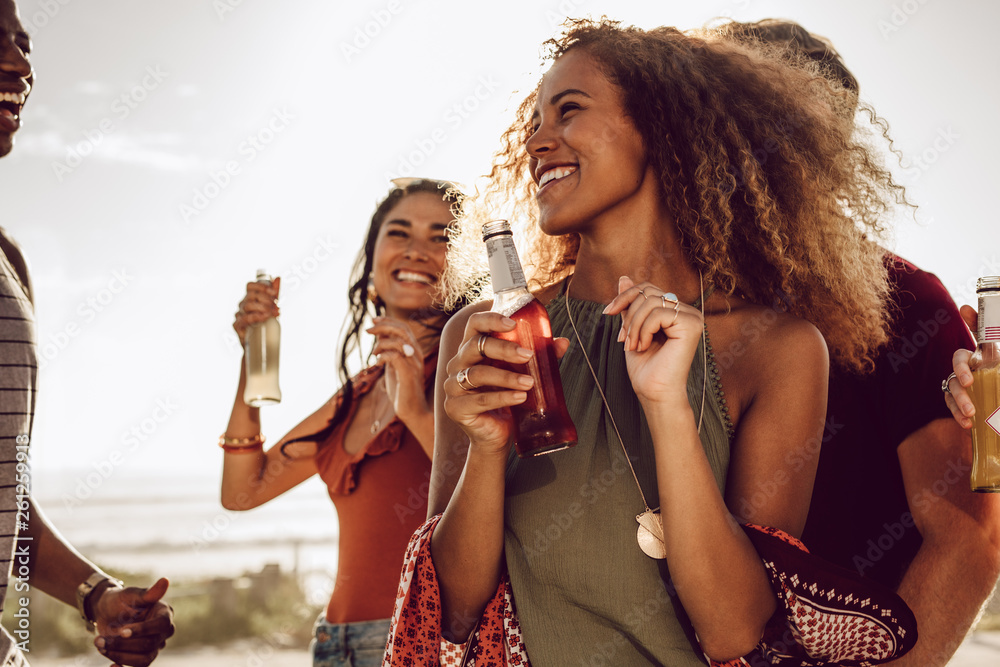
x=237, y=502
x=731, y=641
x=735, y=635
x=731, y=646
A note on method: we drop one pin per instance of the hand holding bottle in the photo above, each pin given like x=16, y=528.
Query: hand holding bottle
x=261, y=341
x=259, y=304
x=957, y=397
x=478, y=402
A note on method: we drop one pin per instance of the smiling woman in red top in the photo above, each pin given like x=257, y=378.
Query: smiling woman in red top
x=372, y=441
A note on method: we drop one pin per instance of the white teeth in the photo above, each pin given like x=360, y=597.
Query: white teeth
x=16, y=98
x=556, y=173
x=413, y=277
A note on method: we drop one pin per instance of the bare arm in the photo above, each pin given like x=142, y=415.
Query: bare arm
x=718, y=574
x=251, y=479
x=451, y=444
x=57, y=569
x=773, y=467
x=958, y=563
x=467, y=545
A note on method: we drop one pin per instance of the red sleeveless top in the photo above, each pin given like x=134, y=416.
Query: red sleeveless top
x=380, y=494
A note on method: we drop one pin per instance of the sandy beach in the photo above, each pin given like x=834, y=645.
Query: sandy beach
x=982, y=649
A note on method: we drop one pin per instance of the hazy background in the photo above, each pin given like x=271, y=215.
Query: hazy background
x=139, y=106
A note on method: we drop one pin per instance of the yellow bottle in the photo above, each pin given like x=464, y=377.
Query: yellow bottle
x=985, y=391
x=261, y=354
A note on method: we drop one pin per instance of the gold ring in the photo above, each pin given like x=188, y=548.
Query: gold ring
x=463, y=380
x=482, y=345
x=673, y=321
x=643, y=294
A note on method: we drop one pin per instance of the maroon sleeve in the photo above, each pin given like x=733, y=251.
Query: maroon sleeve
x=928, y=329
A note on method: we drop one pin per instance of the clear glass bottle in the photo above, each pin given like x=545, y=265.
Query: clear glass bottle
x=985, y=390
x=542, y=424
x=261, y=354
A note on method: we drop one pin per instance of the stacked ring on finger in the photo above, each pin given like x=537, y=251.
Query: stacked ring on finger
x=643, y=294
x=462, y=377
x=944, y=385
x=481, y=345
x=670, y=297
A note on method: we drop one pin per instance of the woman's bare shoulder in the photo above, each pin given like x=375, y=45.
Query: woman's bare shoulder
x=756, y=347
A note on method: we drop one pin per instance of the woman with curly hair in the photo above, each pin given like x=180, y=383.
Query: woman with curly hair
x=680, y=194
x=371, y=442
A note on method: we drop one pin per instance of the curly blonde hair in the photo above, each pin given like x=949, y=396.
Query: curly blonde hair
x=779, y=197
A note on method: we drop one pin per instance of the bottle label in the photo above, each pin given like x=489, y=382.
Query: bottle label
x=505, y=267
x=994, y=421
x=989, y=317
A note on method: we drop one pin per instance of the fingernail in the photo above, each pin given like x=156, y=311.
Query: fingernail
x=507, y=322
x=408, y=349
x=526, y=353
x=968, y=410
x=519, y=396
x=99, y=643
x=627, y=342
x=127, y=632
x=965, y=379
x=966, y=423
x=605, y=311
x=621, y=335
x=525, y=381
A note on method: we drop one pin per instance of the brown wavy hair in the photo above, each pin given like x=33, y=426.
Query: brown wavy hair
x=779, y=197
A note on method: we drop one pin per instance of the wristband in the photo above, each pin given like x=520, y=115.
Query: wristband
x=84, y=590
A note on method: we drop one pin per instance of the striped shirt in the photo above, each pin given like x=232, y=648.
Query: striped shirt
x=18, y=375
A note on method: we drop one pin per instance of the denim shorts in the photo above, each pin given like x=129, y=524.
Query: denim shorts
x=349, y=644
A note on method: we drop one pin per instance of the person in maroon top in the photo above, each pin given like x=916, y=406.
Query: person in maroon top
x=372, y=441
x=891, y=499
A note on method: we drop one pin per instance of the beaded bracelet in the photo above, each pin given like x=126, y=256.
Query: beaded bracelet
x=241, y=445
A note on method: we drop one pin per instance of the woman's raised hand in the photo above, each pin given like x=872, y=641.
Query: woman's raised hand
x=398, y=349
x=476, y=392
x=260, y=303
x=660, y=337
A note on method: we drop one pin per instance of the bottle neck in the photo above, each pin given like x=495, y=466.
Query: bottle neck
x=989, y=317
x=505, y=267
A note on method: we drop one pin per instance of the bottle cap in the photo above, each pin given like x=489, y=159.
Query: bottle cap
x=495, y=228
x=263, y=275
x=988, y=283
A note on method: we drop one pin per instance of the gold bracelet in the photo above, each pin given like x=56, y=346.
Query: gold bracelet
x=237, y=443
x=251, y=449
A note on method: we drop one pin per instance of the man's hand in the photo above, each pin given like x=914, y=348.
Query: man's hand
x=133, y=624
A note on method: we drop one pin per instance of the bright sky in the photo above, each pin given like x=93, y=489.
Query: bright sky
x=171, y=148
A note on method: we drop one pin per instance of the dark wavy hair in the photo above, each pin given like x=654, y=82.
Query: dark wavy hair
x=361, y=306
x=777, y=195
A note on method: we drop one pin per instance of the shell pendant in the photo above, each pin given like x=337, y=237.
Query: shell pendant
x=649, y=535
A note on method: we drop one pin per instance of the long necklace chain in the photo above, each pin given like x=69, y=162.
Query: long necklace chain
x=376, y=407
x=650, y=532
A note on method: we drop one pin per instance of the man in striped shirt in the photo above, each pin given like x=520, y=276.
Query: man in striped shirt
x=132, y=624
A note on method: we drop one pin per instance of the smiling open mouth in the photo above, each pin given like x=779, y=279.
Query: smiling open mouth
x=555, y=174
x=10, y=105
x=414, y=277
